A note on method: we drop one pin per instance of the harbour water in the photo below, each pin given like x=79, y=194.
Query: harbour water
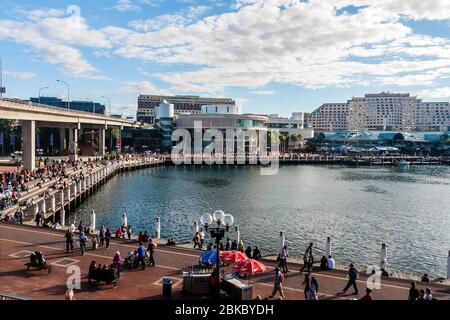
x=359, y=208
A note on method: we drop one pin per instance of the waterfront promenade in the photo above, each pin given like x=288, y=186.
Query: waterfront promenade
x=18, y=241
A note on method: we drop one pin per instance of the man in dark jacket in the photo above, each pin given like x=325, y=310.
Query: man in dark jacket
x=352, y=277
x=69, y=240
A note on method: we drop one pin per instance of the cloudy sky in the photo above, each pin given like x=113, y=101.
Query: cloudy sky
x=272, y=56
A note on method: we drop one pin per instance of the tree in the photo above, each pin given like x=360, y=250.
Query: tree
x=7, y=126
x=115, y=134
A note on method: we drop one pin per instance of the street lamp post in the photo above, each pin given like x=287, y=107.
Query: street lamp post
x=68, y=92
x=40, y=90
x=224, y=222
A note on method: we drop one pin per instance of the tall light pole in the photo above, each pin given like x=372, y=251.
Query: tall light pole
x=109, y=100
x=40, y=90
x=224, y=222
x=68, y=92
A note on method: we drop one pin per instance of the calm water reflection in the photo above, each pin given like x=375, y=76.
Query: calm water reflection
x=358, y=207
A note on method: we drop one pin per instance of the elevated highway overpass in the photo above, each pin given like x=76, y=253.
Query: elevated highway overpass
x=31, y=116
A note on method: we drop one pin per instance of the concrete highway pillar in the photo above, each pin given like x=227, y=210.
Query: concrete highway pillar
x=158, y=228
x=62, y=140
x=62, y=212
x=73, y=144
x=383, y=256
x=29, y=144
x=68, y=193
x=101, y=141
x=79, y=186
x=93, y=219
x=328, y=247
x=75, y=190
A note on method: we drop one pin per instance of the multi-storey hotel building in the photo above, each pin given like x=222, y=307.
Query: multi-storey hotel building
x=182, y=104
x=383, y=111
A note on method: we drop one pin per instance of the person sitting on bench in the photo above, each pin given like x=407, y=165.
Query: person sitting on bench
x=37, y=260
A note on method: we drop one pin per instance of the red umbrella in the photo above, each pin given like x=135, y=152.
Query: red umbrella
x=250, y=267
x=233, y=256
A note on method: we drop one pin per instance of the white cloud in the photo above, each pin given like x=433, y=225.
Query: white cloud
x=141, y=87
x=306, y=43
x=287, y=41
x=263, y=92
x=54, y=39
x=180, y=19
x=437, y=93
x=126, y=5
x=20, y=75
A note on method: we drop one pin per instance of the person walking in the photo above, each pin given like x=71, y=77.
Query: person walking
x=282, y=258
x=202, y=238
x=151, y=250
x=308, y=259
x=278, y=284
x=37, y=219
x=129, y=232
x=141, y=255
x=82, y=240
x=117, y=262
x=69, y=240
x=101, y=235
x=352, y=277
x=108, y=236
x=313, y=289
x=196, y=240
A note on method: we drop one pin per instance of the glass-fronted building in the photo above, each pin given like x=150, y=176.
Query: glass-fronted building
x=86, y=106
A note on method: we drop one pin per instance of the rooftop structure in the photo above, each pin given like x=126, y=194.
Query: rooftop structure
x=182, y=104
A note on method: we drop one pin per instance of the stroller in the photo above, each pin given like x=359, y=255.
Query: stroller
x=132, y=262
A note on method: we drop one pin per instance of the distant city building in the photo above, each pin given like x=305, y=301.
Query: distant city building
x=383, y=111
x=87, y=106
x=330, y=117
x=182, y=104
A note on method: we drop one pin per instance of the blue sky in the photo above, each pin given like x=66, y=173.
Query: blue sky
x=272, y=56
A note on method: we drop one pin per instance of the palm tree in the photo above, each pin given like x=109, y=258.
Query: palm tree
x=283, y=137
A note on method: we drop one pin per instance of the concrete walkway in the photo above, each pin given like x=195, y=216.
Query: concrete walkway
x=17, y=242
